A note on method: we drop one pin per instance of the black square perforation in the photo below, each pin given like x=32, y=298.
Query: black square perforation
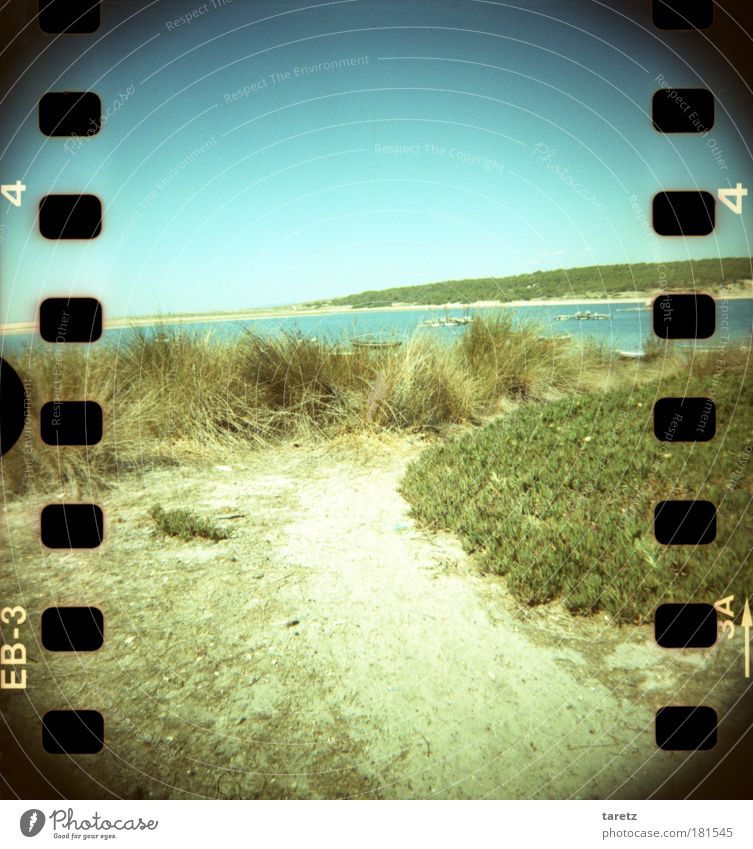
x=684, y=419
x=683, y=316
x=685, y=522
x=70, y=113
x=70, y=216
x=684, y=213
x=683, y=110
x=683, y=14
x=71, y=423
x=72, y=628
x=685, y=626
x=72, y=525
x=685, y=728
x=73, y=732
x=71, y=16
x=64, y=320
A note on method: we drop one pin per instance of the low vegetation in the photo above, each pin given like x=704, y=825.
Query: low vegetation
x=559, y=497
x=186, y=525
x=588, y=282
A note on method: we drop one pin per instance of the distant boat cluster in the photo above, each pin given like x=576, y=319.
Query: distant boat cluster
x=583, y=315
x=447, y=321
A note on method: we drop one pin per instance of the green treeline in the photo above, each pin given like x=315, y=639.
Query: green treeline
x=591, y=281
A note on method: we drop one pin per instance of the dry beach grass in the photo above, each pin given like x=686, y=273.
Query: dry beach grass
x=170, y=396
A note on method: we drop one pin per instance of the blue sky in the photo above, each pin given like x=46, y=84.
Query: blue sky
x=267, y=153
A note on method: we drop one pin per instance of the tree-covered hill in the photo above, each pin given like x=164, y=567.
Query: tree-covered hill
x=588, y=282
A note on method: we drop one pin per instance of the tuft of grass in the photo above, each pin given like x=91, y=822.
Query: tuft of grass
x=186, y=524
x=560, y=497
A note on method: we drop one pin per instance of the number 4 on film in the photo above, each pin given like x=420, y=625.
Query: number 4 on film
x=13, y=192
x=733, y=198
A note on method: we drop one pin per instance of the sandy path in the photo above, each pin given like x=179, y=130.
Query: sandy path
x=447, y=686
x=330, y=648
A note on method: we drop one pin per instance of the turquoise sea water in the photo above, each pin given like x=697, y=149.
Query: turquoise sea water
x=628, y=329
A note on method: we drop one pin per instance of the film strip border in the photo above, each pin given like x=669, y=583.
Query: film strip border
x=687, y=419
x=65, y=320
x=79, y=422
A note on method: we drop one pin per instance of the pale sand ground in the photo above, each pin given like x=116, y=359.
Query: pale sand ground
x=331, y=648
x=294, y=312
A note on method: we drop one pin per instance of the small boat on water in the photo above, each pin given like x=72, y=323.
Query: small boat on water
x=583, y=315
x=377, y=344
x=631, y=355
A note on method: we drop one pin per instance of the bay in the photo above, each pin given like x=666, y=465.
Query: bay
x=628, y=328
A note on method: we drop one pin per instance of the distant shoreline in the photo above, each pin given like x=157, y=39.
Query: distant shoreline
x=18, y=328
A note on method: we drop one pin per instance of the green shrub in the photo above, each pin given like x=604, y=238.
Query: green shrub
x=559, y=497
x=186, y=524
